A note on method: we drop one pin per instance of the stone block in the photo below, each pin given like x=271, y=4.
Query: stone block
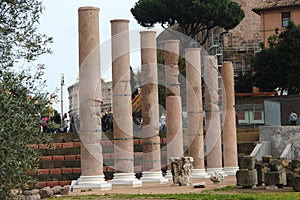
x=296, y=183
x=46, y=192
x=247, y=178
x=289, y=178
x=261, y=175
x=181, y=169
x=275, y=165
x=277, y=178
x=295, y=164
x=247, y=162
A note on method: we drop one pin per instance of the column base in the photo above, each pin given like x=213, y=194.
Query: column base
x=211, y=171
x=169, y=175
x=126, y=179
x=231, y=171
x=199, y=173
x=151, y=177
x=90, y=182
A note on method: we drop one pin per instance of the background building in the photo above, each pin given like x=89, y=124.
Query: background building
x=275, y=15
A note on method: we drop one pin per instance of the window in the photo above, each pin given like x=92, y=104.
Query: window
x=285, y=18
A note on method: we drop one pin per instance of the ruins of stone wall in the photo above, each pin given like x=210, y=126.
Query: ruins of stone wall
x=280, y=136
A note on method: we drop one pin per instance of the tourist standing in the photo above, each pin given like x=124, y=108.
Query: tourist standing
x=293, y=118
x=163, y=122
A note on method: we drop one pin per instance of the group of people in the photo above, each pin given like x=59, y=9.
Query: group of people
x=55, y=124
x=107, y=122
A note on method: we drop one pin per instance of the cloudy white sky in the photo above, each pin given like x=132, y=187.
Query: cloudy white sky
x=60, y=20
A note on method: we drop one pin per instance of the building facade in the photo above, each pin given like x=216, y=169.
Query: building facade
x=106, y=105
x=275, y=16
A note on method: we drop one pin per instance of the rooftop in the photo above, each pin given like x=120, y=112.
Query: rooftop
x=276, y=4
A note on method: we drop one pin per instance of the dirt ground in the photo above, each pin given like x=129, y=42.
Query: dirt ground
x=169, y=188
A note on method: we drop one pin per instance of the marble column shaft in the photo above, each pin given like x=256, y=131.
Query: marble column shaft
x=173, y=100
x=122, y=107
x=212, y=114
x=229, y=116
x=171, y=52
x=150, y=107
x=194, y=107
x=90, y=91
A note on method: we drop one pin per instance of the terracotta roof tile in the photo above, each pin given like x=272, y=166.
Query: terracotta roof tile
x=274, y=4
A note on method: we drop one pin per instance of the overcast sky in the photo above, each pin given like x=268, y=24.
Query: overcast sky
x=60, y=20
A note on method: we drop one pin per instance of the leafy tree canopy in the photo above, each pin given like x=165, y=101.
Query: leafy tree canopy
x=22, y=99
x=192, y=16
x=279, y=65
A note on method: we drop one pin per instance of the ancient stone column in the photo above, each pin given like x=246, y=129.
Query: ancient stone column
x=195, y=111
x=122, y=106
x=229, y=123
x=212, y=114
x=173, y=103
x=89, y=99
x=150, y=110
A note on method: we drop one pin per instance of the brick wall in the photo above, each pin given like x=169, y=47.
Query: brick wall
x=60, y=162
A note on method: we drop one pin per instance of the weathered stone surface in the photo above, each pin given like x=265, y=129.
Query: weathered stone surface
x=249, y=28
x=56, y=189
x=279, y=136
x=33, y=197
x=181, y=169
x=65, y=190
x=212, y=114
x=229, y=118
x=34, y=192
x=296, y=183
x=246, y=162
x=194, y=107
x=89, y=100
x=295, y=164
x=46, y=192
x=216, y=177
x=261, y=175
x=275, y=165
x=247, y=178
x=289, y=178
x=277, y=178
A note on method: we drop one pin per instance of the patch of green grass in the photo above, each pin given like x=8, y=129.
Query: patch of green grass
x=201, y=196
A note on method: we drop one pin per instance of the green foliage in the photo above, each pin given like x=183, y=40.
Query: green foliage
x=243, y=83
x=279, y=65
x=192, y=16
x=21, y=96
